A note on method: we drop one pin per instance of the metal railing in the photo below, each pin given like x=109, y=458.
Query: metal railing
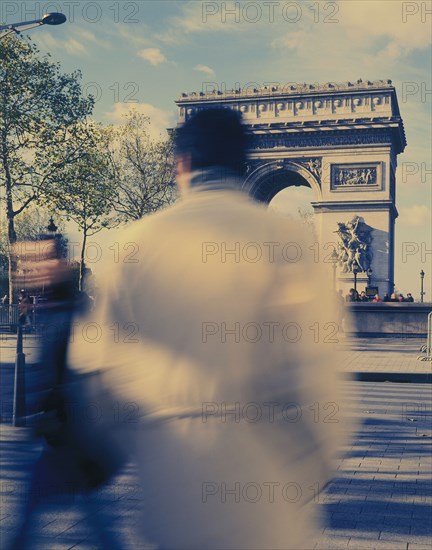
x=427, y=348
x=9, y=316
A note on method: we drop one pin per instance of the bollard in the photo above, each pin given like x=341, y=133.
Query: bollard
x=19, y=400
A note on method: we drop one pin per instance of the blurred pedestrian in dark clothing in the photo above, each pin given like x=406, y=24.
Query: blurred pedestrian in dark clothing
x=386, y=297
x=64, y=468
x=24, y=307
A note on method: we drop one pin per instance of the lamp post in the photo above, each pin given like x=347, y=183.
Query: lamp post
x=334, y=259
x=355, y=270
x=422, y=293
x=19, y=395
x=53, y=18
x=369, y=276
x=52, y=228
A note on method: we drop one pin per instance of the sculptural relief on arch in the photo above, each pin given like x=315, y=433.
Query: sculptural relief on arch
x=354, y=250
x=341, y=141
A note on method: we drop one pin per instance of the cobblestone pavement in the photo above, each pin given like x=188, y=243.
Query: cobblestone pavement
x=389, y=355
x=380, y=497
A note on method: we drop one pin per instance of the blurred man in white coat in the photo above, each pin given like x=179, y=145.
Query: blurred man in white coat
x=218, y=343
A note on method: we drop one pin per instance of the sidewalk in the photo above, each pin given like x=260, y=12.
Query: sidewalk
x=386, y=359
x=382, y=495
x=379, y=499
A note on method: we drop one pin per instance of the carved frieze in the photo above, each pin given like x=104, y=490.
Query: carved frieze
x=270, y=141
x=346, y=177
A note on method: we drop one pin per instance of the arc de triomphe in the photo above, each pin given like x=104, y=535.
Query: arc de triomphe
x=341, y=140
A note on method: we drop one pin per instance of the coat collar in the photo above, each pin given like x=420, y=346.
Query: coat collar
x=215, y=178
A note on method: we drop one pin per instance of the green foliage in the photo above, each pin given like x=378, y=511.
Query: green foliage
x=28, y=226
x=84, y=190
x=37, y=104
x=143, y=168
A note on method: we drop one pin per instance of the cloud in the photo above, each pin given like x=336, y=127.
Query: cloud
x=197, y=17
x=76, y=42
x=416, y=215
x=375, y=38
x=75, y=47
x=46, y=41
x=152, y=55
x=83, y=34
x=129, y=34
x=204, y=69
x=159, y=120
x=405, y=30
x=71, y=45
x=293, y=40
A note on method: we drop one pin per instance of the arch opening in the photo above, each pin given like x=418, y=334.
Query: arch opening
x=294, y=202
x=275, y=182
x=290, y=191
x=264, y=183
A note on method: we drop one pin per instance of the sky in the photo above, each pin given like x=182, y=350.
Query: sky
x=144, y=54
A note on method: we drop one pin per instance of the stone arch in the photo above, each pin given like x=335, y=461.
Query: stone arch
x=326, y=137
x=264, y=182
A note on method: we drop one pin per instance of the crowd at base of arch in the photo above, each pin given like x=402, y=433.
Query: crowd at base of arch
x=354, y=296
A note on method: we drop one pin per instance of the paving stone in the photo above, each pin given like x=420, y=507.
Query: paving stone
x=397, y=534
x=333, y=543
x=379, y=499
x=370, y=522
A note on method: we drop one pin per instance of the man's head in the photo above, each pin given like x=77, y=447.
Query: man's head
x=211, y=138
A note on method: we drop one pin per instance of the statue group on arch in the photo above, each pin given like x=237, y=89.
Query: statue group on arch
x=353, y=248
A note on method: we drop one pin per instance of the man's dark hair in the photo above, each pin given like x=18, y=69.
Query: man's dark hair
x=214, y=137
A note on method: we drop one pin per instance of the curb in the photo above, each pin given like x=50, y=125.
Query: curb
x=400, y=377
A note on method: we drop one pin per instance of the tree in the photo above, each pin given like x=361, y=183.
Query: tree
x=29, y=226
x=38, y=103
x=143, y=168
x=86, y=189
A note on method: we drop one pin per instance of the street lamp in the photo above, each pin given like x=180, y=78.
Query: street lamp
x=369, y=275
x=53, y=18
x=52, y=228
x=355, y=269
x=422, y=293
x=334, y=260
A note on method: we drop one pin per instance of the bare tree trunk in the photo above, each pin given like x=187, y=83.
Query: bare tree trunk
x=82, y=263
x=11, y=258
x=10, y=219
